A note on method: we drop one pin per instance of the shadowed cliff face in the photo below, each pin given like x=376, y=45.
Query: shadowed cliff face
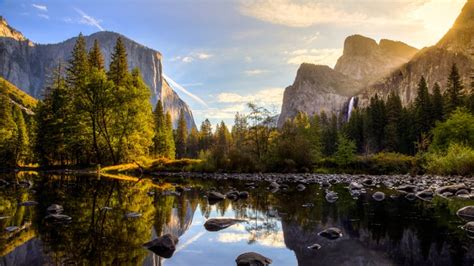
x=28, y=65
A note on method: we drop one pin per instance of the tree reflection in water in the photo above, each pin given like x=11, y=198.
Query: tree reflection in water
x=393, y=231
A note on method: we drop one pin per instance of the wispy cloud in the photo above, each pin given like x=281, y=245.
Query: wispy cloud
x=88, y=20
x=40, y=7
x=255, y=72
x=192, y=57
x=315, y=56
x=262, y=97
x=175, y=85
x=43, y=16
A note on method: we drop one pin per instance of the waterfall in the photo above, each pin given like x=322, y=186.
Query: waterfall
x=351, y=106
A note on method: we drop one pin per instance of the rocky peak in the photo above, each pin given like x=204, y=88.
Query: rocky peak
x=364, y=59
x=9, y=32
x=460, y=38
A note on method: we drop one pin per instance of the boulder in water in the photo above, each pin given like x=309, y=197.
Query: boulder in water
x=331, y=233
x=214, y=196
x=217, y=224
x=243, y=194
x=55, y=208
x=407, y=188
x=425, y=195
x=378, y=196
x=252, y=259
x=331, y=197
x=58, y=218
x=164, y=246
x=300, y=187
x=467, y=213
x=451, y=188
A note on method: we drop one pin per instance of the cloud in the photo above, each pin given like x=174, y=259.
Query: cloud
x=175, y=85
x=194, y=84
x=305, y=13
x=88, y=20
x=316, y=56
x=255, y=72
x=43, y=16
x=40, y=7
x=263, y=97
x=203, y=56
x=187, y=59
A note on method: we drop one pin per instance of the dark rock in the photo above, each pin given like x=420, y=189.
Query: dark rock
x=243, y=194
x=314, y=247
x=252, y=259
x=232, y=195
x=58, y=218
x=410, y=196
x=451, y=188
x=164, y=246
x=378, y=196
x=55, y=208
x=368, y=182
x=331, y=233
x=462, y=192
x=425, y=195
x=466, y=213
x=300, y=187
x=469, y=227
x=274, y=185
x=214, y=196
x=331, y=197
x=214, y=224
x=355, y=186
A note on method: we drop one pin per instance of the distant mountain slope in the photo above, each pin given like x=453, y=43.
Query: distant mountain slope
x=28, y=65
x=19, y=97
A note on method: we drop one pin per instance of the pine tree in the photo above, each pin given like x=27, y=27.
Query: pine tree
x=376, y=121
x=170, y=147
x=354, y=129
x=220, y=150
x=437, y=104
x=118, y=69
x=193, y=143
x=95, y=56
x=77, y=71
x=453, y=92
x=181, y=136
x=329, y=134
x=205, y=135
x=392, y=128
x=423, y=109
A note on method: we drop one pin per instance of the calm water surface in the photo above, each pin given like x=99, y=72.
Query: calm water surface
x=390, y=232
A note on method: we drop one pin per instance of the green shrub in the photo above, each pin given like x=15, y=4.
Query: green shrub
x=458, y=159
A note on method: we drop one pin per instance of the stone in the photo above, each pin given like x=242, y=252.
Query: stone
x=331, y=233
x=58, y=218
x=425, y=195
x=467, y=213
x=55, y=208
x=407, y=188
x=232, y=195
x=214, y=196
x=300, y=187
x=378, y=196
x=164, y=246
x=217, y=224
x=331, y=197
x=410, y=196
x=452, y=189
x=314, y=247
x=252, y=259
x=243, y=194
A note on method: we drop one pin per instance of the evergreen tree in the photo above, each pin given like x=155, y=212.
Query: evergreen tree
x=354, y=129
x=345, y=152
x=170, y=148
x=423, y=109
x=181, y=136
x=118, y=69
x=161, y=131
x=376, y=121
x=77, y=72
x=392, y=131
x=453, y=92
x=193, y=143
x=220, y=150
x=328, y=134
x=95, y=56
x=205, y=135
x=437, y=104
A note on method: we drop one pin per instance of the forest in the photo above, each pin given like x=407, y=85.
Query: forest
x=92, y=116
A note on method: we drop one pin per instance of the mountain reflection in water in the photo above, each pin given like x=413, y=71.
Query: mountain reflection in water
x=390, y=232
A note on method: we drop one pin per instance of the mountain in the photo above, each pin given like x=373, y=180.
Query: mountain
x=316, y=88
x=434, y=63
x=27, y=65
x=17, y=96
x=364, y=59
x=382, y=68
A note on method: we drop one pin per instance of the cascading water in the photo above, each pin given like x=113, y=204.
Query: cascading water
x=351, y=106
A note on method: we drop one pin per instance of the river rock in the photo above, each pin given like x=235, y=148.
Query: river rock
x=55, y=208
x=252, y=259
x=243, y=194
x=355, y=186
x=331, y=197
x=300, y=187
x=466, y=213
x=462, y=192
x=164, y=246
x=214, y=196
x=410, y=196
x=58, y=218
x=314, y=247
x=425, y=195
x=232, y=195
x=469, y=227
x=274, y=185
x=331, y=233
x=217, y=224
x=451, y=188
x=378, y=196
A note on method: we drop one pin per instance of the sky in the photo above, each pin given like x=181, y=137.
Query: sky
x=222, y=54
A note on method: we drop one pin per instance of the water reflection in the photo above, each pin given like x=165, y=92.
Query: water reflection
x=393, y=231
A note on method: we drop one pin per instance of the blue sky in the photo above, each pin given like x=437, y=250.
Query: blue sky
x=228, y=53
